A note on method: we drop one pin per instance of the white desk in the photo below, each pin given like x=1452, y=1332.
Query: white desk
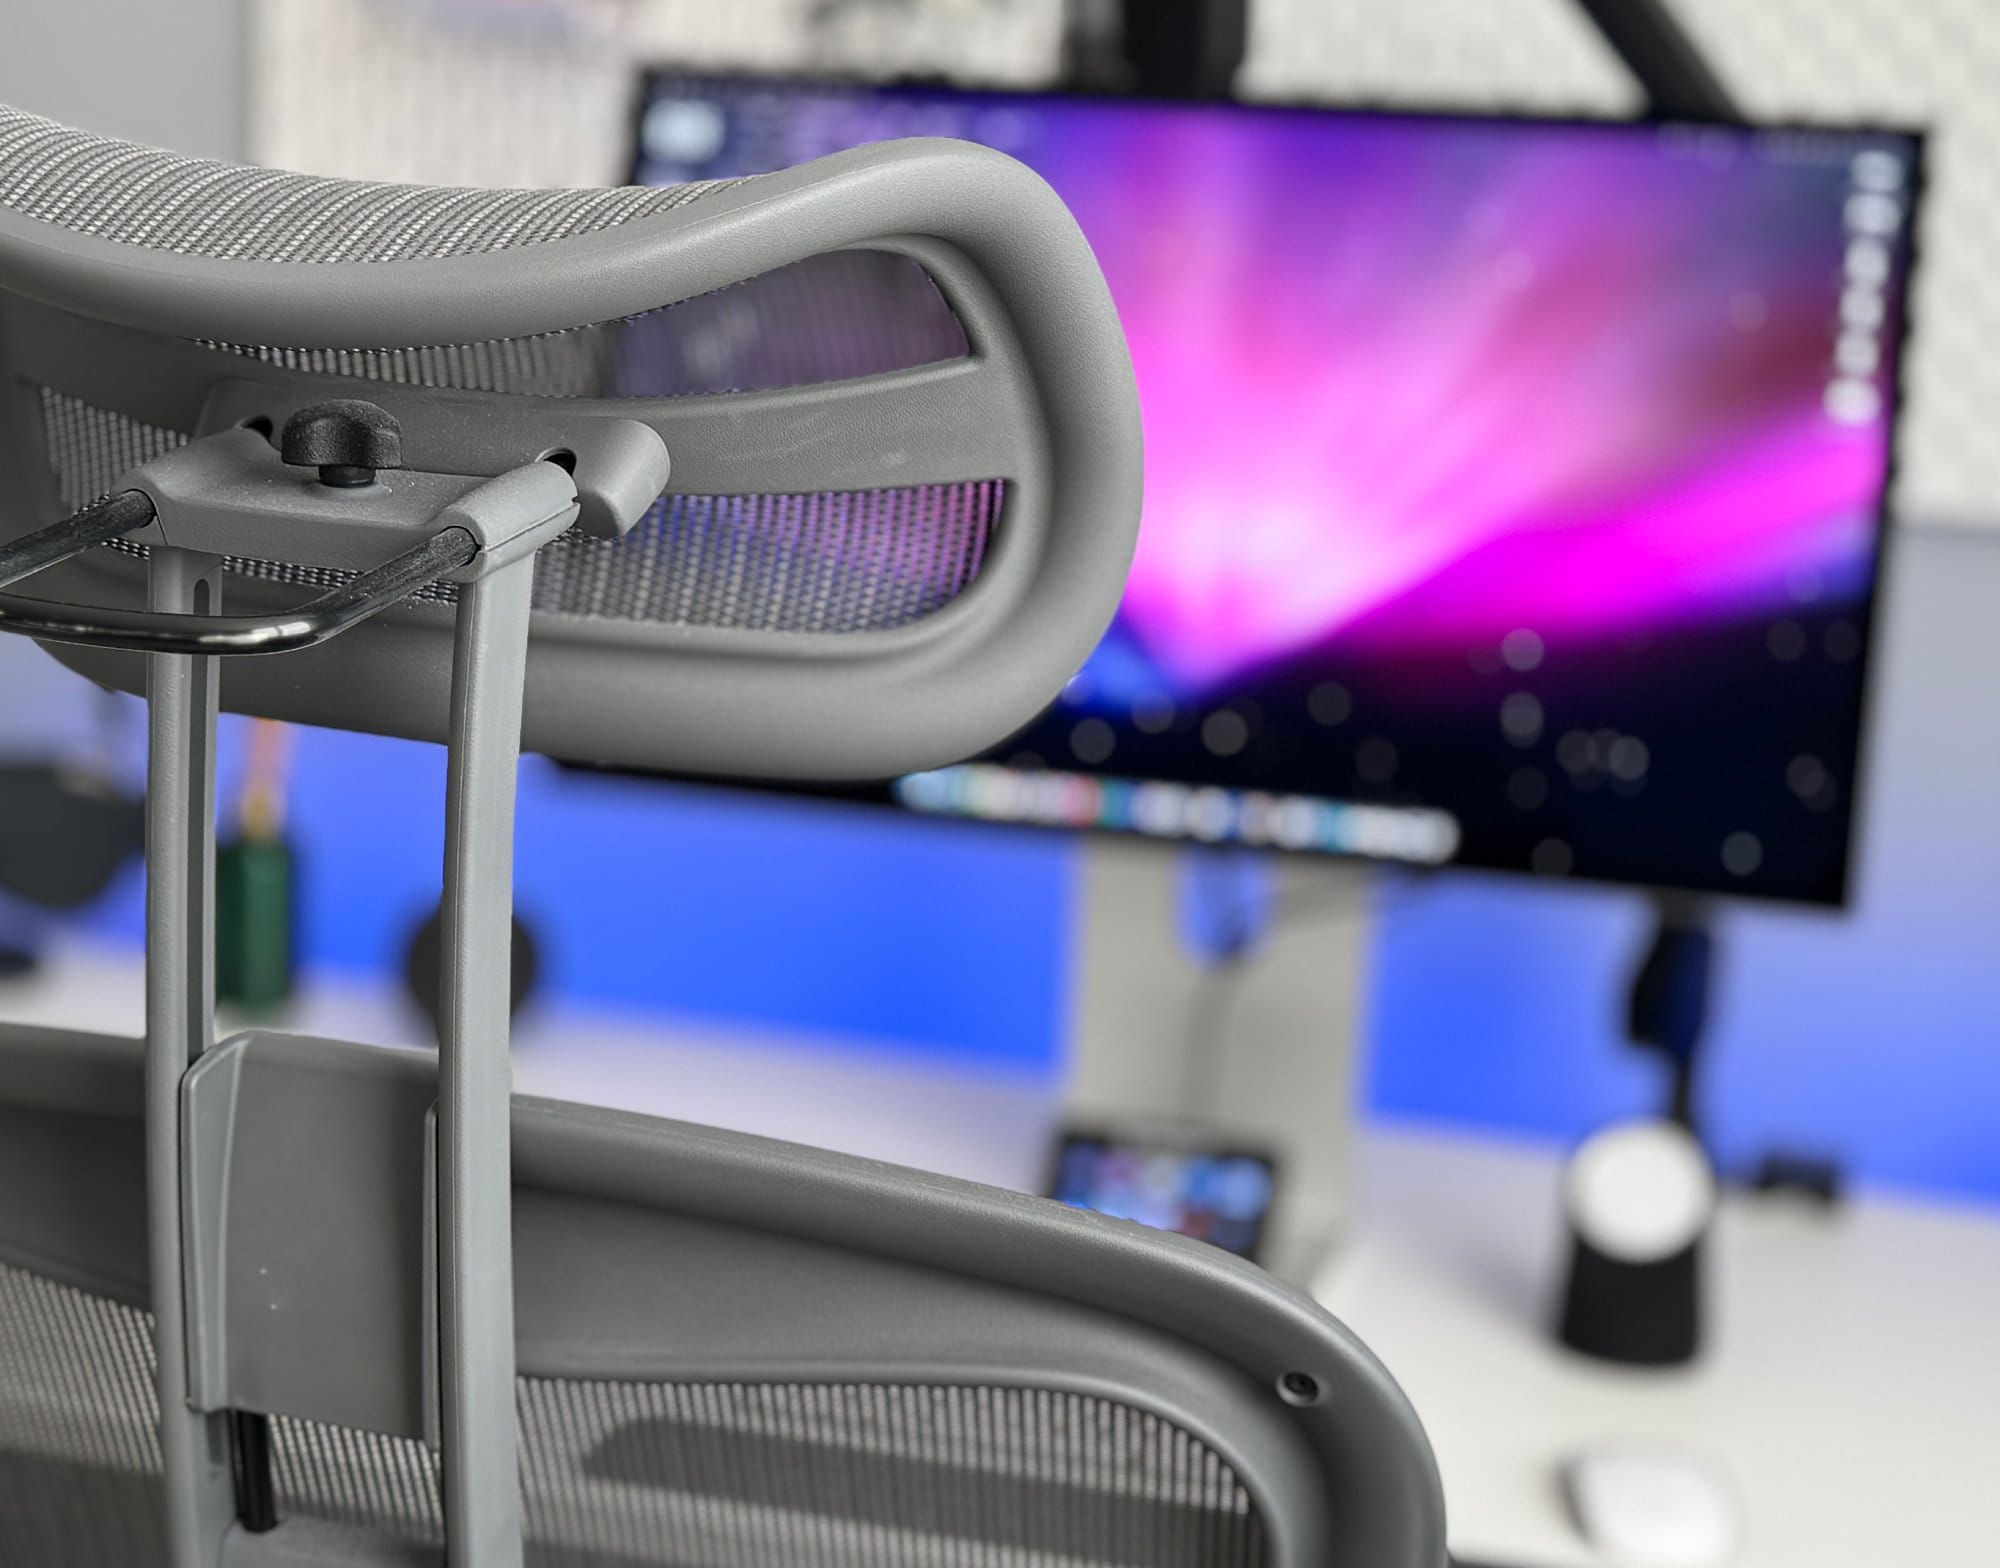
x=1852, y=1385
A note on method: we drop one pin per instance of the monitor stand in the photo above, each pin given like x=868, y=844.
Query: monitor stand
x=1258, y=1051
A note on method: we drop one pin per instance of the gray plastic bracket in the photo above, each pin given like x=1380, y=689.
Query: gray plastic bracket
x=619, y=466
x=338, y=1131
x=208, y=1125
x=231, y=494
x=512, y=517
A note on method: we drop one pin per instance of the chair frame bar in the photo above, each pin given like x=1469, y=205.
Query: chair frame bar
x=216, y=1471
x=482, y=1496
x=182, y=692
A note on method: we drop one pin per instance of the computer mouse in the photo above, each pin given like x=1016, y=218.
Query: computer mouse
x=1651, y=1505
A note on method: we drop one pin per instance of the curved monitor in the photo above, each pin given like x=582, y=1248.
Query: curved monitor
x=1514, y=489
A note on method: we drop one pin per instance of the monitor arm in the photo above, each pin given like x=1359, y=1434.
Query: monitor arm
x=1668, y=65
x=1668, y=1005
x=1194, y=48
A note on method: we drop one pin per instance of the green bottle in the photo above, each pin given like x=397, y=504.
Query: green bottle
x=256, y=887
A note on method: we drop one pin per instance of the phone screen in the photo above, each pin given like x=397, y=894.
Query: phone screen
x=1217, y=1195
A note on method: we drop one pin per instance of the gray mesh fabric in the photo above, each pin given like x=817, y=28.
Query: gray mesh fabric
x=811, y=1475
x=576, y=363
x=79, y=1456
x=80, y=1453
x=142, y=196
x=639, y=1475
x=825, y=318
x=869, y=1475
x=384, y=1484
x=88, y=447
x=828, y=563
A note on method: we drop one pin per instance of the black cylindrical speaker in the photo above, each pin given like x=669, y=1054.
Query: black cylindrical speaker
x=1638, y=1197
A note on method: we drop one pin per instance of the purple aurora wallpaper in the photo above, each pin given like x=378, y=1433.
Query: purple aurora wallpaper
x=1524, y=476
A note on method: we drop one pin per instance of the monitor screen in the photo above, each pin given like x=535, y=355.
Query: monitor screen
x=1514, y=488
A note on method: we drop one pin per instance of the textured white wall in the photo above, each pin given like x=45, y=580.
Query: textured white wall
x=169, y=72
x=538, y=92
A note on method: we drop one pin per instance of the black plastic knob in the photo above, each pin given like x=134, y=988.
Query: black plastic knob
x=347, y=440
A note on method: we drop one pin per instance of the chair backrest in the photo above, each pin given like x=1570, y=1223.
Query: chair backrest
x=730, y=1350
x=289, y=1301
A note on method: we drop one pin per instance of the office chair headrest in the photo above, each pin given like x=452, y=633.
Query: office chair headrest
x=899, y=410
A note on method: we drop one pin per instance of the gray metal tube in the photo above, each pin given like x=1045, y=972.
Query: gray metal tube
x=147, y=631
x=475, y=1078
x=180, y=1025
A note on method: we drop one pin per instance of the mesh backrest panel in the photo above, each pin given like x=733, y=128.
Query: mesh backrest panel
x=827, y=563
x=639, y=1475
x=142, y=196
x=576, y=363
x=89, y=447
x=825, y=318
x=801, y=1475
x=805, y=1475
x=79, y=1453
x=836, y=562
x=388, y=1485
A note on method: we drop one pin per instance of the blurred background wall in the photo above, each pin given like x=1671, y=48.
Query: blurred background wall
x=125, y=68
x=1873, y=1036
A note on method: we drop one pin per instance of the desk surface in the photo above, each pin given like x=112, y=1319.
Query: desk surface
x=1851, y=1386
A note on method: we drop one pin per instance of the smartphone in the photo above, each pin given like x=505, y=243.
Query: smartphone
x=1178, y=1179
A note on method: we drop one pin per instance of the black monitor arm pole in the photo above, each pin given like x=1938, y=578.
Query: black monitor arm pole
x=1158, y=48
x=1648, y=1310
x=1668, y=1005
x=1679, y=84
x=1193, y=48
